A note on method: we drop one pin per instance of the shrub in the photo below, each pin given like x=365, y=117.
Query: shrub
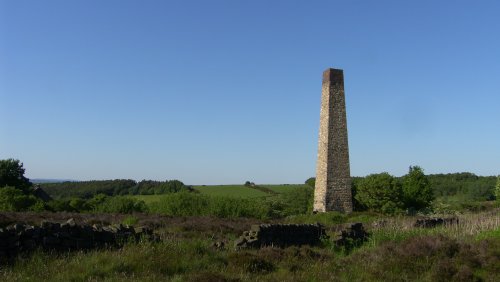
x=298, y=201
x=13, y=199
x=182, y=204
x=60, y=206
x=380, y=192
x=311, y=181
x=78, y=204
x=417, y=191
x=121, y=204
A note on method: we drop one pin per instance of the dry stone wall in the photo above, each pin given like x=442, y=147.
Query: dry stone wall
x=19, y=238
x=284, y=235
x=281, y=235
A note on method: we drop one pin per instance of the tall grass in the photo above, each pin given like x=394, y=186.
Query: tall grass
x=469, y=226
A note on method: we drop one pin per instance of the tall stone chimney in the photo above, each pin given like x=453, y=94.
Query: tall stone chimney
x=333, y=180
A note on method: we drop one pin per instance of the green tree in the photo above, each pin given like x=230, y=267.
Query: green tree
x=13, y=199
x=497, y=189
x=311, y=181
x=417, y=190
x=12, y=174
x=380, y=192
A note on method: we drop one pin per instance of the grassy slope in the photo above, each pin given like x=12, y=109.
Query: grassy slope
x=230, y=191
x=240, y=191
x=283, y=188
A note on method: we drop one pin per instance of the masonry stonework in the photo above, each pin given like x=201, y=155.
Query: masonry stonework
x=333, y=181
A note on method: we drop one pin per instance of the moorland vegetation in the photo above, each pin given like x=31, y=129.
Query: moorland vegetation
x=189, y=220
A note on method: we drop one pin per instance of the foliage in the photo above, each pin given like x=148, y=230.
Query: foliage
x=417, y=191
x=298, y=201
x=99, y=203
x=357, y=206
x=117, y=187
x=465, y=184
x=311, y=181
x=121, y=204
x=12, y=174
x=460, y=190
x=60, y=206
x=293, y=202
x=150, y=187
x=249, y=183
x=381, y=193
x=497, y=189
x=13, y=199
x=87, y=189
x=191, y=204
x=130, y=220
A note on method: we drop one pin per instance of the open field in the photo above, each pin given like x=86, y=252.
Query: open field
x=236, y=191
x=240, y=191
x=283, y=188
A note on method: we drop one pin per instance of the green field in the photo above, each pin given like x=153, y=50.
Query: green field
x=240, y=191
x=235, y=191
x=283, y=188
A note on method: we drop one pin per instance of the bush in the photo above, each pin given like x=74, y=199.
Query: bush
x=13, y=199
x=121, y=204
x=60, y=206
x=311, y=181
x=99, y=203
x=381, y=193
x=298, y=201
x=417, y=191
x=78, y=204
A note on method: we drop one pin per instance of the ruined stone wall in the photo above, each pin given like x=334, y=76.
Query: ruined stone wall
x=281, y=235
x=333, y=181
x=19, y=238
x=285, y=235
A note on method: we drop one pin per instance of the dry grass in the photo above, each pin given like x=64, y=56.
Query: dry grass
x=468, y=227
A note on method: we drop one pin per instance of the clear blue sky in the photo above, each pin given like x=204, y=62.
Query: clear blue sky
x=218, y=92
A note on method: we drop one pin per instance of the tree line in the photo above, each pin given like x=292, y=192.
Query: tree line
x=382, y=192
x=117, y=187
